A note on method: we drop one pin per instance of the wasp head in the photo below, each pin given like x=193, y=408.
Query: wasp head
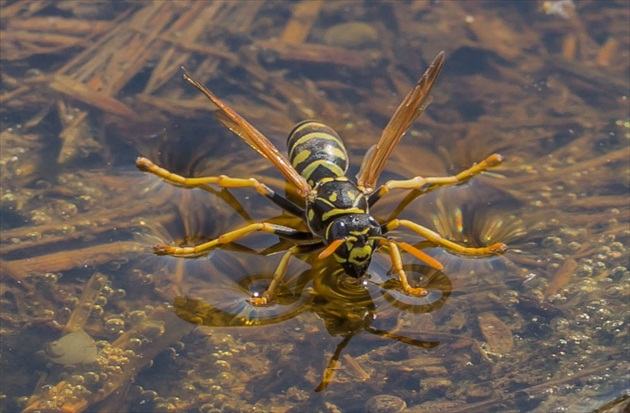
x=358, y=232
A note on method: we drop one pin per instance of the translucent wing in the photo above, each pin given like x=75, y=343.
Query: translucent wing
x=254, y=138
x=409, y=109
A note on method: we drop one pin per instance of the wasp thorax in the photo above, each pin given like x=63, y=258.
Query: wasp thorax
x=358, y=232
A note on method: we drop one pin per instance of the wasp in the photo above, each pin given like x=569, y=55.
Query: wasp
x=335, y=207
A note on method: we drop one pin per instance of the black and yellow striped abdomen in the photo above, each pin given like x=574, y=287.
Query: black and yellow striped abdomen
x=316, y=152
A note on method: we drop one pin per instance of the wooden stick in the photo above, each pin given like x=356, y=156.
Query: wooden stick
x=304, y=16
x=66, y=260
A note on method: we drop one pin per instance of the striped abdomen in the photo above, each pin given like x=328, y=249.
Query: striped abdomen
x=316, y=152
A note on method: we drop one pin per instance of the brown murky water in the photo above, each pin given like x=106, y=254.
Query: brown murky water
x=92, y=320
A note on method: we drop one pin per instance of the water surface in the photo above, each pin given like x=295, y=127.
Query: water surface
x=92, y=320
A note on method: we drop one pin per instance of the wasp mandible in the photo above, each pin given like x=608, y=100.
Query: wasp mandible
x=336, y=208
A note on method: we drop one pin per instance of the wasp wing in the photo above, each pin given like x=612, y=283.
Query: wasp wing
x=409, y=109
x=253, y=137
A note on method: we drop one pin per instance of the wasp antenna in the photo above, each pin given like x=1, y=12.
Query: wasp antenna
x=332, y=247
x=424, y=257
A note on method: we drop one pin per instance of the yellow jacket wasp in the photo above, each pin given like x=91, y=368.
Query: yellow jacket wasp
x=336, y=208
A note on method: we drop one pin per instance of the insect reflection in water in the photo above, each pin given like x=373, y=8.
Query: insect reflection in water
x=347, y=306
x=336, y=208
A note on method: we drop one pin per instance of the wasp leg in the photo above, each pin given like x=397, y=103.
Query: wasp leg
x=223, y=181
x=279, y=230
x=394, y=255
x=435, y=238
x=266, y=297
x=419, y=183
x=269, y=294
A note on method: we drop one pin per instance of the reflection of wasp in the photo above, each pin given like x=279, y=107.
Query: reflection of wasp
x=348, y=308
x=336, y=208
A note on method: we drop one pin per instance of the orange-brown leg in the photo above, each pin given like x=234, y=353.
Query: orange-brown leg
x=281, y=231
x=223, y=181
x=435, y=238
x=418, y=182
x=394, y=255
x=270, y=293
